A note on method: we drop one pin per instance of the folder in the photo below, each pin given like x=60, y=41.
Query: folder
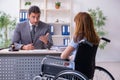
x=52, y=29
x=65, y=30
x=66, y=41
x=23, y=16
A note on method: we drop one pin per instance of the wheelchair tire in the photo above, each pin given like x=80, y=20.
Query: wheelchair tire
x=102, y=74
x=70, y=75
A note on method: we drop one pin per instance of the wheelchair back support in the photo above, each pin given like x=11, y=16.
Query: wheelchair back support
x=85, y=58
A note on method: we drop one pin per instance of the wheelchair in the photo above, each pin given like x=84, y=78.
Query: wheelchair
x=54, y=68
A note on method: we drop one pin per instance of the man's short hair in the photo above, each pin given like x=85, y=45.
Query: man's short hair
x=34, y=9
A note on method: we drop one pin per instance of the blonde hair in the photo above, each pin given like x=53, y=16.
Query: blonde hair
x=85, y=28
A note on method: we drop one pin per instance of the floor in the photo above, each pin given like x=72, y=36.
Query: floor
x=112, y=67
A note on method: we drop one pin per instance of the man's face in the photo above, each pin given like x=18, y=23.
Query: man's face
x=34, y=18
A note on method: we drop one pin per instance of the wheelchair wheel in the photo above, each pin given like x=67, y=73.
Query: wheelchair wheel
x=37, y=78
x=102, y=74
x=70, y=75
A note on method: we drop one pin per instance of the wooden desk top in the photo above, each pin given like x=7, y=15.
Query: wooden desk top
x=39, y=51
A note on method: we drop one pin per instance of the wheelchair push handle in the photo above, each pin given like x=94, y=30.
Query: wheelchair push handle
x=90, y=44
x=105, y=39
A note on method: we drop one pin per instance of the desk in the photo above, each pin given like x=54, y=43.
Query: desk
x=23, y=64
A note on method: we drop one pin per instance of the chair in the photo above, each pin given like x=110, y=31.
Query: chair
x=84, y=63
x=51, y=65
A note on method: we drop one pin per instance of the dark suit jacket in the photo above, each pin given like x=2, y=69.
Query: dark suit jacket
x=22, y=35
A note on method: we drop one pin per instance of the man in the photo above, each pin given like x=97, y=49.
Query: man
x=32, y=34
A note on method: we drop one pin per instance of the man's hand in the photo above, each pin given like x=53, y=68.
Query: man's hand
x=28, y=47
x=44, y=38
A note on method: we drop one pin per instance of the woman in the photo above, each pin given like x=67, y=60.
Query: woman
x=83, y=29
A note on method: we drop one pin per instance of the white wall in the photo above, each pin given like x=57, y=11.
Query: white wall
x=110, y=9
x=11, y=7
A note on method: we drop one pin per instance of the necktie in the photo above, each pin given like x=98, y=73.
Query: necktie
x=33, y=32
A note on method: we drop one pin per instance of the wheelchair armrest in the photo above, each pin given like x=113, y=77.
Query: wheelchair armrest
x=52, y=65
x=52, y=60
x=57, y=58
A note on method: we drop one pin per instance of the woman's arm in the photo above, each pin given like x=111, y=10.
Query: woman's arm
x=66, y=53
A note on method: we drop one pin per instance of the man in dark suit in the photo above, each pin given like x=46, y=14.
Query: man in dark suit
x=33, y=33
